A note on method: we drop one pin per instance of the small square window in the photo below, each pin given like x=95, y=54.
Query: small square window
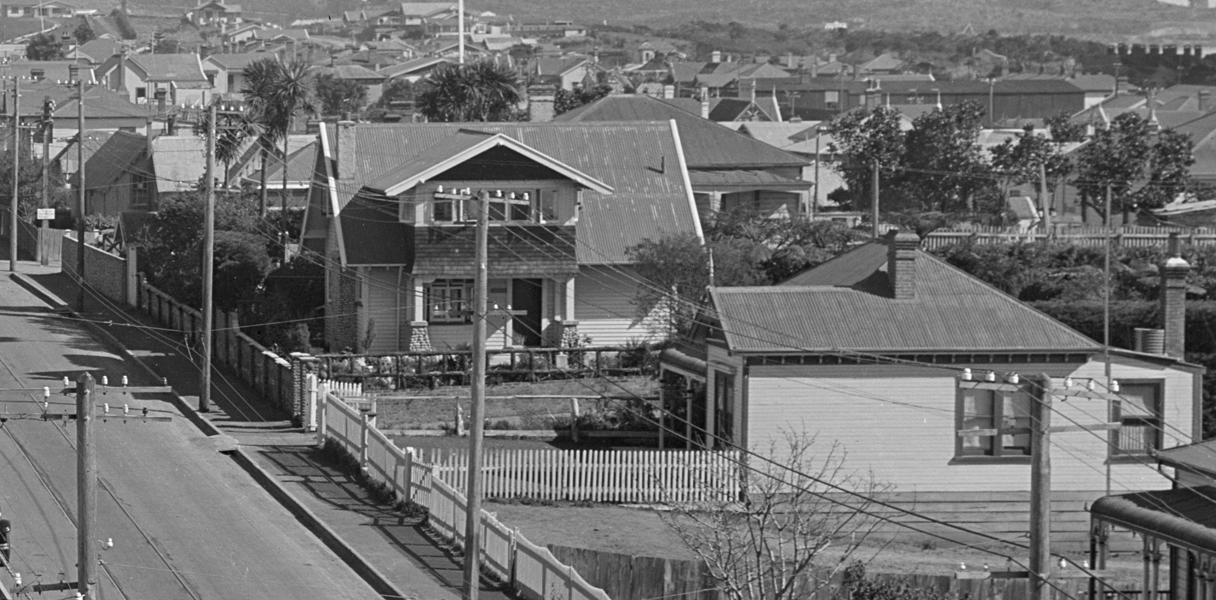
x=447, y=301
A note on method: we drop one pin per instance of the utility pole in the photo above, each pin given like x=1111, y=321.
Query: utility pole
x=460, y=34
x=80, y=185
x=874, y=203
x=477, y=417
x=48, y=130
x=1044, y=199
x=815, y=197
x=86, y=484
x=204, y=395
x=1040, y=489
x=12, y=217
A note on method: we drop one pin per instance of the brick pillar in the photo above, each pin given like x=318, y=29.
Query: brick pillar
x=570, y=337
x=1173, y=300
x=302, y=365
x=420, y=336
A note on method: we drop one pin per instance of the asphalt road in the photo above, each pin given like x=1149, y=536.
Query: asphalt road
x=185, y=520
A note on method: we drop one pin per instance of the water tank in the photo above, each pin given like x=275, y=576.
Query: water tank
x=1150, y=341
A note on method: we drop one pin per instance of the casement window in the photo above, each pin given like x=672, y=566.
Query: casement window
x=447, y=301
x=505, y=206
x=1139, y=412
x=993, y=423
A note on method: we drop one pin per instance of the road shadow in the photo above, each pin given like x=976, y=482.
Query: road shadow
x=322, y=476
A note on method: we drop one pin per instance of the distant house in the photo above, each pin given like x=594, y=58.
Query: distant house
x=300, y=167
x=562, y=29
x=883, y=64
x=807, y=140
x=280, y=36
x=373, y=81
x=95, y=52
x=226, y=72
x=135, y=172
x=561, y=72
x=867, y=351
x=36, y=9
x=727, y=170
x=235, y=37
x=140, y=76
x=412, y=70
x=718, y=77
x=214, y=12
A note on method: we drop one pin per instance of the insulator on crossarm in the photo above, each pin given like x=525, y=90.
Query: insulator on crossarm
x=966, y=376
x=126, y=410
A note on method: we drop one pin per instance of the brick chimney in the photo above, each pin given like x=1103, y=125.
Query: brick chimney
x=704, y=102
x=902, y=247
x=1205, y=100
x=1173, y=299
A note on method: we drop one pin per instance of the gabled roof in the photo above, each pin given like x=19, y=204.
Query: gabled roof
x=120, y=154
x=274, y=34
x=169, y=67
x=846, y=303
x=178, y=162
x=300, y=166
x=883, y=62
x=412, y=66
x=707, y=145
x=425, y=9
x=98, y=50
x=466, y=144
x=558, y=66
x=641, y=162
x=353, y=72
x=237, y=62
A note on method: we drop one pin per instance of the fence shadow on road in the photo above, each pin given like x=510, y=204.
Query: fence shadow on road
x=324, y=478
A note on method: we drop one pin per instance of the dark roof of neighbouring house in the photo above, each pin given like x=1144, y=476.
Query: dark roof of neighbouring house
x=237, y=62
x=123, y=152
x=169, y=67
x=300, y=166
x=707, y=145
x=411, y=66
x=100, y=49
x=352, y=72
x=558, y=66
x=846, y=304
x=745, y=179
x=647, y=200
x=1199, y=457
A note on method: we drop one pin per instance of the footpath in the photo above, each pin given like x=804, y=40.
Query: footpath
x=393, y=553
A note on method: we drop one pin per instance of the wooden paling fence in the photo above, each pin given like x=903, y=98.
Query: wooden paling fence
x=649, y=476
x=529, y=570
x=1126, y=236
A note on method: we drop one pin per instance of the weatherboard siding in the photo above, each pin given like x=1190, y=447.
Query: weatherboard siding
x=899, y=422
x=385, y=306
x=605, y=310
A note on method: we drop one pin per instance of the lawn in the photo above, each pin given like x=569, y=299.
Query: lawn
x=436, y=409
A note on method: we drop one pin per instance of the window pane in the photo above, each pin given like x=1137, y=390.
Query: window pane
x=1140, y=416
x=443, y=211
x=548, y=205
x=1139, y=400
x=1016, y=409
x=978, y=413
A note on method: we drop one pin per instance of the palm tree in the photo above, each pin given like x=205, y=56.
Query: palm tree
x=480, y=91
x=261, y=79
x=295, y=94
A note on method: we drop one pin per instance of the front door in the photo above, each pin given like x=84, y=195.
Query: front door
x=526, y=296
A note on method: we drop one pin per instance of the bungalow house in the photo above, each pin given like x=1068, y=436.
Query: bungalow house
x=214, y=12
x=95, y=52
x=232, y=38
x=727, y=170
x=868, y=351
x=566, y=202
x=141, y=75
x=807, y=140
x=136, y=171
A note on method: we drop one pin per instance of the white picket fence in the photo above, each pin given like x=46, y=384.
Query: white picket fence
x=528, y=569
x=343, y=389
x=634, y=476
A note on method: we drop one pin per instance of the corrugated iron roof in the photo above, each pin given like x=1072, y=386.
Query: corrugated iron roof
x=707, y=145
x=640, y=161
x=846, y=303
x=177, y=68
x=116, y=156
x=1200, y=457
x=745, y=179
x=178, y=162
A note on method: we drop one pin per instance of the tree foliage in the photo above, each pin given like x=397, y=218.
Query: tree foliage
x=1020, y=161
x=480, y=91
x=275, y=93
x=1115, y=158
x=44, y=46
x=866, y=139
x=567, y=100
x=340, y=96
x=943, y=165
x=83, y=33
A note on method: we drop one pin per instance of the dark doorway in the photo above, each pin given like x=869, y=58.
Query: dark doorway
x=526, y=296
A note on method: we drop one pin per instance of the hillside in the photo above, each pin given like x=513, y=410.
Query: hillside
x=1108, y=20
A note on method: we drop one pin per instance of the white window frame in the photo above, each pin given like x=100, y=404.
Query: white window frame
x=447, y=301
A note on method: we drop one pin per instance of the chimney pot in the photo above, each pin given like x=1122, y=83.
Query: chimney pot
x=902, y=248
x=1173, y=299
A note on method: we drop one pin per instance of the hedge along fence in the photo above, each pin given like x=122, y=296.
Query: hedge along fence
x=529, y=570
x=279, y=380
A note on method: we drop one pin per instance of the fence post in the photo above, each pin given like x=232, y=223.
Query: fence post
x=364, y=423
x=574, y=419
x=131, y=287
x=322, y=398
x=311, y=386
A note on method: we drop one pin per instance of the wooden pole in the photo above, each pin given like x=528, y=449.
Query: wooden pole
x=1044, y=199
x=80, y=190
x=204, y=394
x=874, y=198
x=86, y=486
x=472, y=551
x=44, y=231
x=815, y=197
x=16, y=148
x=1040, y=489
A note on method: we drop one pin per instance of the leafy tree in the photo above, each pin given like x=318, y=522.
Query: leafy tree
x=676, y=269
x=396, y=91
x=567, y=100
x=276, y=93
x=1169, y=169
x=167, y=45
x=866, y=139
x=1063, y=130
x=1020, y=161
x=124, y=24
x=44, y=46
x=480, y=91
x=83, y=33
x=856, y=586
x=946, y=169
x=1115, y=158
x=340, y=96
x=241, y=263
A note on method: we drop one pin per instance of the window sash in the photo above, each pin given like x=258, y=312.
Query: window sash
x=447, y=302
x=1001, y=423
x=1139, y=414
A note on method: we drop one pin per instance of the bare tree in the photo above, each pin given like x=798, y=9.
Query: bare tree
x=800, y=518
